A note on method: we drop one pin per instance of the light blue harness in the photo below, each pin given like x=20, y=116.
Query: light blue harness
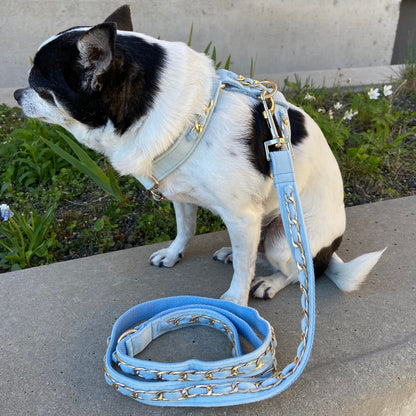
x=243, y=378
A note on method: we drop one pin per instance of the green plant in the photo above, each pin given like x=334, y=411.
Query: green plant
x=217, y=65
x=25, y=236
x=26, y=160
x=207, y=51
x=368, y=132
x=87, y=165
x=253, y=63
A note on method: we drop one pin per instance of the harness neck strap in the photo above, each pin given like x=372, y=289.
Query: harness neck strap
x=183, y=146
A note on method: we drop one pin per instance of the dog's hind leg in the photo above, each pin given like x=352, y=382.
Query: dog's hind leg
x=266, y=287
x=279, y=255
x=186, y=225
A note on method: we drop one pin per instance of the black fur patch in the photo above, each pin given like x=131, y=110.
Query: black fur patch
x=321, y=260
x=129, y=86
x=260, y=133
x=297, y=126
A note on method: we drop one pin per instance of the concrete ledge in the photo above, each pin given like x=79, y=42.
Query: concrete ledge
x=55, y=320
x=340, y=77
x=6, y=96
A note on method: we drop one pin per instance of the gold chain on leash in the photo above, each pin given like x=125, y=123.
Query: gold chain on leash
x=234, y=387
x=202, y=390
x=208, y=375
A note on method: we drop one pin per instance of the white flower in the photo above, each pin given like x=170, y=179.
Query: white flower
x=373, y=93
x=331, y=114
x=337, y=106
x=349, y=114
x=309, y=97
x=5, y=212
x=387, y=90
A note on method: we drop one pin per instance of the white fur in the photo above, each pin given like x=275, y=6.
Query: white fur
x=220, y=176
x=349, y=276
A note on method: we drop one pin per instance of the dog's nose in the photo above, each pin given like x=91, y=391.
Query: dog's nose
x=18, y=94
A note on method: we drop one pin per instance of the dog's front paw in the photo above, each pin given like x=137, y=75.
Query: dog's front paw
x=165, y=258
x=224, y=254
x=231, y=297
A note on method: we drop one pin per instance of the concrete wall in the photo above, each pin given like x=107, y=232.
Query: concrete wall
x=284, y=35
x=405, y=44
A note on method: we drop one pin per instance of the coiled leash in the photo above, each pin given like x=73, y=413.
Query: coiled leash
x=245, y=377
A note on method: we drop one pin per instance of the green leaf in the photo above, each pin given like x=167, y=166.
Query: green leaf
x=114, y=184
x=84, y=163
x=206, y=51
x=228, y=63
x=15, y=267
x=190, y=34
x=99, y=225
x=41, y=228
x=214, y=55
x=253, y=63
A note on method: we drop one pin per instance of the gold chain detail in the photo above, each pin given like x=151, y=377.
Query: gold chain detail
x=200, y=127
x=183, y=375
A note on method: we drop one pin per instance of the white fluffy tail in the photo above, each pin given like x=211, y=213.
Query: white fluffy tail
x=349, y=276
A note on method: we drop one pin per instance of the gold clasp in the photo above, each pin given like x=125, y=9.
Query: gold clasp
x=153, y=190
x=269, y=106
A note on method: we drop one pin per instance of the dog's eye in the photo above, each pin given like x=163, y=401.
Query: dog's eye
x=47, y=96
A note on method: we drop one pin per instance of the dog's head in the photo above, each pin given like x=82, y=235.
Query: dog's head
x=89, y=76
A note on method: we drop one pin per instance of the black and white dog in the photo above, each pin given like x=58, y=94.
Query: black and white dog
x=130, y=96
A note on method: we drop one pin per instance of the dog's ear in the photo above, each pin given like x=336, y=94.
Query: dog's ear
x=96, y=50
x=122, y=18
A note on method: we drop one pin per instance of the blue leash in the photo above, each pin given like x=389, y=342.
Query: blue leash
x=243, y=378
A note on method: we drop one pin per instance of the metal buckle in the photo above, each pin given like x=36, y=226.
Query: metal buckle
x=269, y=105
x=278, y=143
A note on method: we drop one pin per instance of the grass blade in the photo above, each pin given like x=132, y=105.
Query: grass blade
x=85, y=164
x=190, y=34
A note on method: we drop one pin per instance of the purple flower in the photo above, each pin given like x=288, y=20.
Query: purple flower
x=5, y=212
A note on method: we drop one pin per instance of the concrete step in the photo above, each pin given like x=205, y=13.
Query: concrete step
x=55, y=321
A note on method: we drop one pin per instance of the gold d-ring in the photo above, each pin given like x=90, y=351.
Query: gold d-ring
x=125, y=333
x=268, y=94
